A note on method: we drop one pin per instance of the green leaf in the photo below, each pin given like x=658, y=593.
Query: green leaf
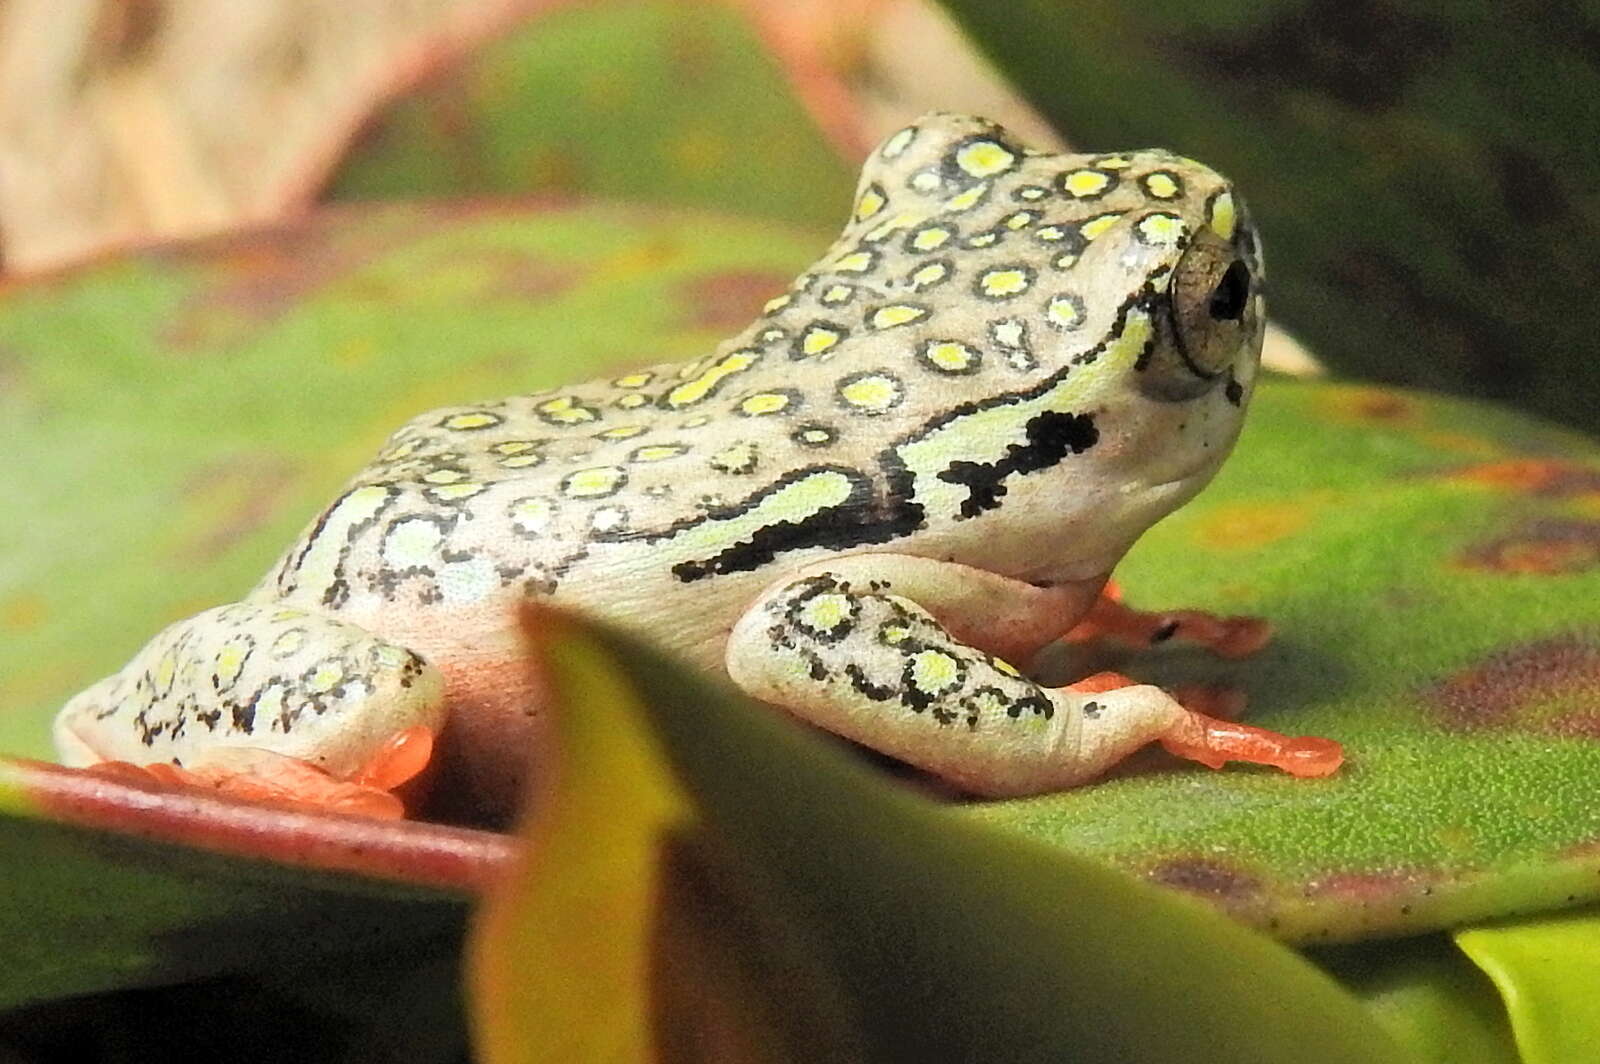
x=1426, y=204
x=950, y=940
x=1546, y=969
x=1430, y=997
x=646, y=100
x=1433, y=570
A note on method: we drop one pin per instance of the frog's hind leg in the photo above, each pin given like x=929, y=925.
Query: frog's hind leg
x=265, y=701
x=851, y=647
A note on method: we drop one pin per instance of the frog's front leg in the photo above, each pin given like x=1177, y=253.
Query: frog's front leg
x=264, y=701
x=857, y=647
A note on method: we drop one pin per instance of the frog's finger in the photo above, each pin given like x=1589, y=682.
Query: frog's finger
x=293, y=683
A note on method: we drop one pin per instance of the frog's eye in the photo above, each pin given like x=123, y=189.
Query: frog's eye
x=1228, y=299
x=1214, y=314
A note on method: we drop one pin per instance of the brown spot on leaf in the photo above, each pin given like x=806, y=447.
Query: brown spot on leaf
x=1371, y=404
x=727, y=301
x=1205, y=876
x=1544, y=547
x=1550, y=477
x=1551, y=687
x=1247, y=526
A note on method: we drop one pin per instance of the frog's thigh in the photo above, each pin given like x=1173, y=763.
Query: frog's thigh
x=852, y=654
x=255, y=675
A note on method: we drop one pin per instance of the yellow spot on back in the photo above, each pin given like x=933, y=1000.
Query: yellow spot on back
x=456, y=492
x=898, y=143
x=855, y=262
x=532, y=515
x=565, y=410
x=696, y=390
x=634, y=380
x=1065, y=312
x=839, y=293
x=872, y=393
x=949, y=356
x=1083, y=183
x=659, y=452
x=764, y=403
x=871, y=202
x=326, y=677
x=1161, y=230
x=776, y=303
x=621, y=432
x=897, y=314
x=476, y=420
x=443, y=476
x=1161, y=185
x=1095, y=227
x=932, y=273
x=817, y=339
x=963, y=201
x=929, y=238
x=1004, y=283
x=229, y=662
x=632, y=401
x=593, y=482
x=984, y=158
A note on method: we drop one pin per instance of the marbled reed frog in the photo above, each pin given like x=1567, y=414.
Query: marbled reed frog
x=919, y=464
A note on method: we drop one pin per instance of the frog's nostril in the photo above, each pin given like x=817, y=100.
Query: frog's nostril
x=1232, y=292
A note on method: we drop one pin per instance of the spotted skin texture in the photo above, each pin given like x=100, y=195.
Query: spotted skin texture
x=1005, y=361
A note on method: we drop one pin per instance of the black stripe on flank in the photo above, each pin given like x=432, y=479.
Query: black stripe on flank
x=1051, y=437
x=863, y=517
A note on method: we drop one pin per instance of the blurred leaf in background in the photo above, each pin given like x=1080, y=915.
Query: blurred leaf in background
x=1424, y=172
x=654, y=101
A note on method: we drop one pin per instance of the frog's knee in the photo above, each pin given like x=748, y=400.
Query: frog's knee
x=254, y=675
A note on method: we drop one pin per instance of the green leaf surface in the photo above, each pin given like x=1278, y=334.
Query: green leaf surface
x=1433, y=571
x=1426, y=198
x=172, y=419
x=652, y=101
x=951, y=941
x=1546, y=969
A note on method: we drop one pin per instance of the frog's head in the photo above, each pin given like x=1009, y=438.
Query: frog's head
x=1122, y=289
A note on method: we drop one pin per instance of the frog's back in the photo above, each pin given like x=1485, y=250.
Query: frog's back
x=956, y=287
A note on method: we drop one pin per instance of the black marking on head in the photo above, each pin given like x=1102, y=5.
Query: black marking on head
x=244, y=717
x=1092, y=710
x=1051, y=437
x=1164, y=633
